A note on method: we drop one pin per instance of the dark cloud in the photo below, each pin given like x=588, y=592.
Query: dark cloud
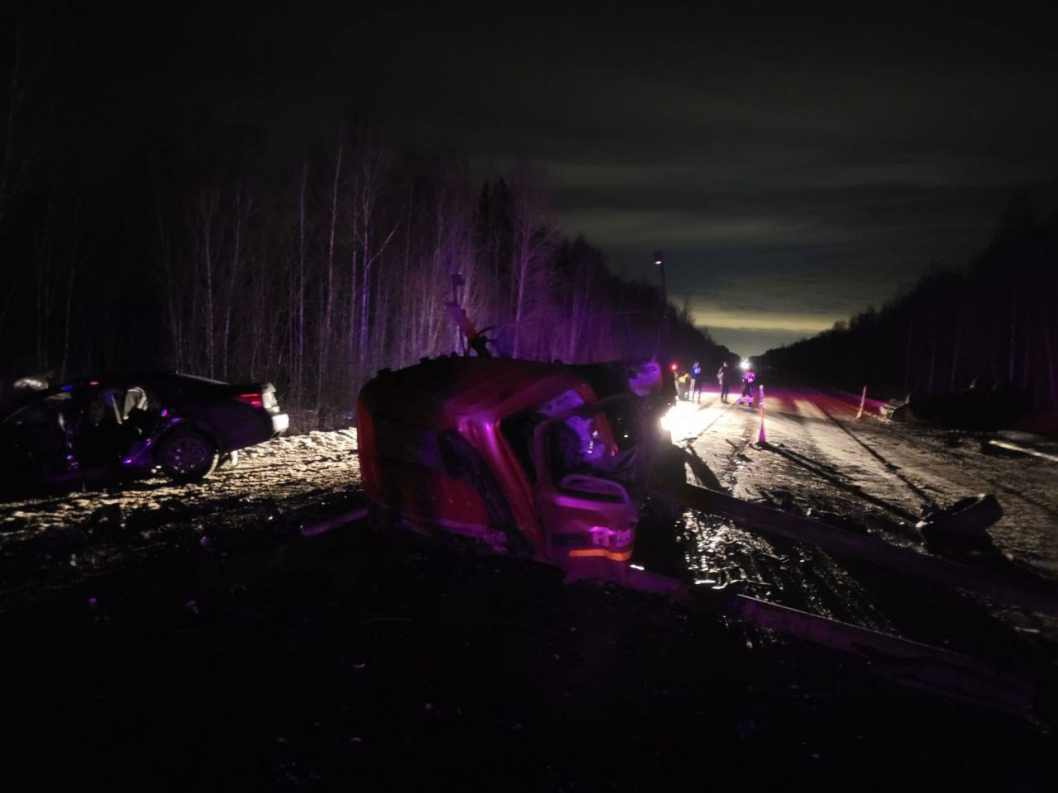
x=835, y=151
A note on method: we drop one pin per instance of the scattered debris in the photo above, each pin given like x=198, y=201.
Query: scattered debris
x=967, y=519
x=312, y=525
x=980, y=408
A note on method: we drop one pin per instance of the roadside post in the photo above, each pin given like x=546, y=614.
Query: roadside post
x=761, y=438
x=863, y=401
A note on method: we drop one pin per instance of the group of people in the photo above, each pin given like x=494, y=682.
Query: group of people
x=724, y=377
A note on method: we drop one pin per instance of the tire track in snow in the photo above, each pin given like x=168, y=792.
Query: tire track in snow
x=864, y=468
x=1028, y=532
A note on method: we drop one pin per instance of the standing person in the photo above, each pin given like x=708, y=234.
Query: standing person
x=722, y=377
x=696, y=382
x=747, y=387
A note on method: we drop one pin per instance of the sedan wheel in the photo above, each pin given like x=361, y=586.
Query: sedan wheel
x=188, y=456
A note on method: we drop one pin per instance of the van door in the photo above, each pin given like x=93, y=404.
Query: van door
x=581, y=491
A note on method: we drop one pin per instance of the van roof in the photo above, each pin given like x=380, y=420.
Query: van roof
x=440, y=392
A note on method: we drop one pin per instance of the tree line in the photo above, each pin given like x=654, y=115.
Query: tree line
x=349, y=271
x=992, y=321
x=312, y=273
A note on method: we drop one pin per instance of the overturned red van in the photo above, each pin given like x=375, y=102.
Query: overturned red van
x=535, y=459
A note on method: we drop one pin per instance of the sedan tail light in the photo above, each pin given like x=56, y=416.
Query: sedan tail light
x=253, y=400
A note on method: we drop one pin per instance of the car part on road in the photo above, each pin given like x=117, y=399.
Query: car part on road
x=967, y=518
x=310, y=527
x=979, y=407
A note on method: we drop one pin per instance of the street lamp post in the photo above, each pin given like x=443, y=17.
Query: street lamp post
x=659, y=262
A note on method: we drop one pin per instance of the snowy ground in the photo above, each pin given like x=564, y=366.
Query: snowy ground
x=192, y=635
x=819, y=459
x=54, y=541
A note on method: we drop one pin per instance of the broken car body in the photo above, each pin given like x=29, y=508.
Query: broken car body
x=126, y=426
x=521, y=454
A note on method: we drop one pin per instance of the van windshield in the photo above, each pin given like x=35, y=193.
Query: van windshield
x=582, y=443
x=519, y=429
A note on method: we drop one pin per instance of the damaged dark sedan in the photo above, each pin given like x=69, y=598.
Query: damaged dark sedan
x=130, y=426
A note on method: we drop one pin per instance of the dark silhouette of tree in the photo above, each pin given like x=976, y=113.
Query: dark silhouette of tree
x=317, y=281
x=992, y=321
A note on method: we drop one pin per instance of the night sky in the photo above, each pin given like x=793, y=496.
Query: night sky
x=795, y=165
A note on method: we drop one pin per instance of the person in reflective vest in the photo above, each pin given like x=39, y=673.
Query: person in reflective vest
x=748, y=378
x=695, y=392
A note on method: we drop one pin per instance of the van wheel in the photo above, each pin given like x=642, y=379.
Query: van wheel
x=188, y=456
